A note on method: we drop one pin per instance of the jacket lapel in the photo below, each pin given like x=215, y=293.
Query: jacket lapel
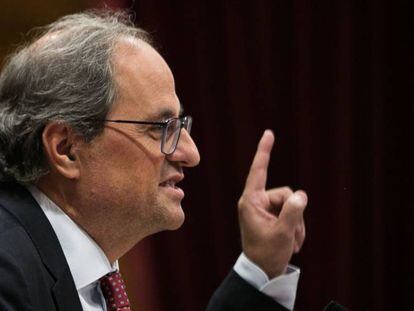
x=19, y=202
x=65, y=295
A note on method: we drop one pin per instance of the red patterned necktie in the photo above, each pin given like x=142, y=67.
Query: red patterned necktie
x=113, y=289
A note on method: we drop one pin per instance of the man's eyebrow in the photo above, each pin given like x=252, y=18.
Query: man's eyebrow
x=166, y=114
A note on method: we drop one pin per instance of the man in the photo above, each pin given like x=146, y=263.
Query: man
x=92, y=146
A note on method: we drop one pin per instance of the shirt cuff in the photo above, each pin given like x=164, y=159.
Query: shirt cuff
x=282, y=288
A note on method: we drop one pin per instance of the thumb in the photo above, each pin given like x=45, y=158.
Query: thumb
x=292, y=210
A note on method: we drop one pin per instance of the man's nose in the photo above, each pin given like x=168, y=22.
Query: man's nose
x=186, y=152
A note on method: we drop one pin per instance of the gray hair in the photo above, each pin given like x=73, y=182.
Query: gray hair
x=63, y=75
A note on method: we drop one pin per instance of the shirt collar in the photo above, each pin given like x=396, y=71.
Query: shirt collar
x=86, y=260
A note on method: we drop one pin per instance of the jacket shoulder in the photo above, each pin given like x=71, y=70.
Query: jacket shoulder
x=25, y=282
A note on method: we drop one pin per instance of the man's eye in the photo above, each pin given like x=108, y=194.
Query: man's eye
x=155, y=131
x=156, y=128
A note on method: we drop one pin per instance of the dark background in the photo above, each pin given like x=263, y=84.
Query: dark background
x=334, y=80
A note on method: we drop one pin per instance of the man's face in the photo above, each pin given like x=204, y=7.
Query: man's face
x=123, y=170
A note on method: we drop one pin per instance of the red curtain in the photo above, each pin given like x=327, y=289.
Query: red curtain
x=334, y=80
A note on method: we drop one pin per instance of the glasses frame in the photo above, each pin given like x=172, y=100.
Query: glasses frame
x=163, y=124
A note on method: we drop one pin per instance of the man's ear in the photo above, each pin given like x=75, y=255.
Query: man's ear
x=59, y=144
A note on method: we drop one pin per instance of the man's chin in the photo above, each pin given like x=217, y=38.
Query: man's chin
x=173, y=217
x=177, y=220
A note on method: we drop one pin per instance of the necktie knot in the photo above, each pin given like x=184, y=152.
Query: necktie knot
x=113, y=289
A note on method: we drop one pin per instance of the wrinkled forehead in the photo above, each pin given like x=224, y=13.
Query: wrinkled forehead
x=131, y=54
x=143, y=77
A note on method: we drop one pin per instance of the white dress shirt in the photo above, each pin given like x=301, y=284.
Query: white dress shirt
x=282, y=288
x=88, y=263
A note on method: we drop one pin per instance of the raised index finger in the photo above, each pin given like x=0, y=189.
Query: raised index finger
x=256, y=180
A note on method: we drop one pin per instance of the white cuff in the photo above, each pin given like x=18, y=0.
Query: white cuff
x=282, y=288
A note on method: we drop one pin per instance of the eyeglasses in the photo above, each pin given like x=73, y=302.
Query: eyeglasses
x=171, y=130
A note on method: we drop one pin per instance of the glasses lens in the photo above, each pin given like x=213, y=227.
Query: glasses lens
x=188, y=122
x=172, y=133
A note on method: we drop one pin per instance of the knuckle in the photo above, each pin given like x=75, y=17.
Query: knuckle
x=287, y=190
x=242, y=203
x=251, y=199
x=242, y=200
x=301, y=235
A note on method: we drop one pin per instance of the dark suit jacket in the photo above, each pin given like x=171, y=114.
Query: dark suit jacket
x=34, y=274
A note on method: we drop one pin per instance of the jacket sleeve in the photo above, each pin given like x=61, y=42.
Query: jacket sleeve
x=235, y=294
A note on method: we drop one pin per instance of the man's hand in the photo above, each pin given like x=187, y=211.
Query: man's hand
x=271, y=221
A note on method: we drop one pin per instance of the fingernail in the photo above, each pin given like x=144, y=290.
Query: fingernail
x=299, y=198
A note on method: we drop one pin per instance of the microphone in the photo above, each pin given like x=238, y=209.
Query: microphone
x=334, y=306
